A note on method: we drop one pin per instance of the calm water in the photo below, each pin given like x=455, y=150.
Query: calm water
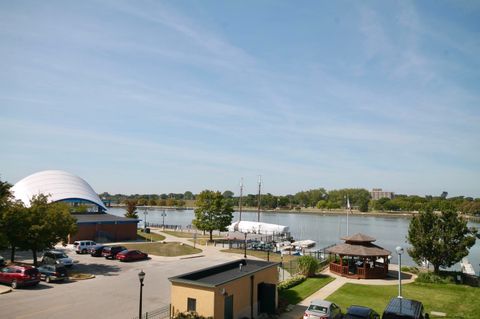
x=390, y=232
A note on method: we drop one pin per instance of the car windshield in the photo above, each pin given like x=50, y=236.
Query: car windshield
x=318, y=308
x=60, y=255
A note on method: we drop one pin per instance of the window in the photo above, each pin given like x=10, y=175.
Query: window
x=191, y=305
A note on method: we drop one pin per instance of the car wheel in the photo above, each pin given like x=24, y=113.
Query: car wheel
x=84, y=251
x=14, y=284
x=47, y=279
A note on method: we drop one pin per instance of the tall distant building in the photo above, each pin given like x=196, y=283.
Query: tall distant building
x=378, y=193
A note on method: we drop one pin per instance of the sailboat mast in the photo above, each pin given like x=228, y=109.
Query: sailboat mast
x=348, y=209
x=240, y=200
x=259, y=196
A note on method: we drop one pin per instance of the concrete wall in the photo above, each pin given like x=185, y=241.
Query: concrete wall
x=205, y=299
x=210, y=301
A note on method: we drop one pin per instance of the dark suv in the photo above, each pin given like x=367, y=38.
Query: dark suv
x=401, y=308
x=96, y=251
x=18, y=276
x=53, y=272
x=110, y=252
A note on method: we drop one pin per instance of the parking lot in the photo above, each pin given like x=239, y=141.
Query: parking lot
x=114, y=292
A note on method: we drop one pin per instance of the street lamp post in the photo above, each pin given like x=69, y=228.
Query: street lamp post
x=245, y=247
x=399, y=252
x=163, y=218
x=145, y=213
x=141, y=276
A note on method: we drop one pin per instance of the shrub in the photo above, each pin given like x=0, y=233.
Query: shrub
x=289, y=283
x=308, y=265
x=413, y=270
x=430, y=277
x=189, y=315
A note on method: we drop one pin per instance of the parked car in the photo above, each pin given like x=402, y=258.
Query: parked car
x=110, y=252
x=131, y=255
x=96, y=251
x=360, y=312
x=56, y=272
x=57, y=257
x=19, y=276
x=83, y=246
x=401, y=308
x=322, y=309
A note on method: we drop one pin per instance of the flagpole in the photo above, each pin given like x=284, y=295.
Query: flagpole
x=348, y=208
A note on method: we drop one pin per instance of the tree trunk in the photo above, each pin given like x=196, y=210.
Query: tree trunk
x=211, y=235
x=34, y=252
x=12, y=254
x=436, y=269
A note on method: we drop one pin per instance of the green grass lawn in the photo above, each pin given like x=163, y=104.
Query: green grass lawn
x=187, y=234
x=149, y=237
x=457, y=301
x=169, y=249
x=296, y=294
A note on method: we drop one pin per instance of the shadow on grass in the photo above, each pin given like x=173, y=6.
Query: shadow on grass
x=291, y=296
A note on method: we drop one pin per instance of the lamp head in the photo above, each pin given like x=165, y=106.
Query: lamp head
x=399, y=250
x=141, y=276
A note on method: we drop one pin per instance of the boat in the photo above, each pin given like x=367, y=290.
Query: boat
x=250, y=227
x=467, y=267
x=304, y=243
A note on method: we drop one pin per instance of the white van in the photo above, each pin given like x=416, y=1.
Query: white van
x=83, y=246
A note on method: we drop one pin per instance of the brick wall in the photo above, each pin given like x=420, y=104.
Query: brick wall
x=117, y=232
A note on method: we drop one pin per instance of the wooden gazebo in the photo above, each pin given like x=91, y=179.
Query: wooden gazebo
x=359, y=258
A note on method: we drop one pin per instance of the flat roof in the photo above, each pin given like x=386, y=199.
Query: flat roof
x=103, y=218
x=221, y=274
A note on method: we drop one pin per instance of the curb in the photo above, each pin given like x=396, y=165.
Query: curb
x=5, y=291
x=78, y=279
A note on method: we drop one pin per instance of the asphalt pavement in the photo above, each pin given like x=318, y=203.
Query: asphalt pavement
x=114, y=292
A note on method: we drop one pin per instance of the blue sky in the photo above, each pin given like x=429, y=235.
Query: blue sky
x=154, y=97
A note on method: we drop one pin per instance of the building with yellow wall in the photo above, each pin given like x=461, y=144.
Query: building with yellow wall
x=238, y=289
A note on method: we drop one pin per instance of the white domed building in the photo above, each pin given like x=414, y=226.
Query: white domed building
x=61, y=186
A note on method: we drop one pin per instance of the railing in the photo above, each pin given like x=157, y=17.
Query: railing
x=339, y=269
x=160, y=313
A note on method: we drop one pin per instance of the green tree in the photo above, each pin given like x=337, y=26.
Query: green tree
x=442, y=239
x=188, y=195
x=5, y=204
x=46, y=225
x=14, y=226
x=227, y=194
x=131, y=208
x=213, y=212
x=308, y=265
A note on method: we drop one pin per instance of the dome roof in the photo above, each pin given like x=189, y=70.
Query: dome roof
x=60, y=185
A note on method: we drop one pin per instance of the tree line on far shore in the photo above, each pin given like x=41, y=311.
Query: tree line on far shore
x=320, y=198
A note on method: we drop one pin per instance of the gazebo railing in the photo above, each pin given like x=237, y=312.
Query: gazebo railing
x=339, y=269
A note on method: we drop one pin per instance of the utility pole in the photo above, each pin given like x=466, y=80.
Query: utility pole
x=259, y=196
x=240, y=200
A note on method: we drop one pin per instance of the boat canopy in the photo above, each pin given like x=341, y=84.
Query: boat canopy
x=245, y=226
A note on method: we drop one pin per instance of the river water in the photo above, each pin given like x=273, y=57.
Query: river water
x=325, y=230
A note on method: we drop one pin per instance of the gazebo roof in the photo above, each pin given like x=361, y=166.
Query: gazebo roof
x=359, y=238
x=365, y=249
